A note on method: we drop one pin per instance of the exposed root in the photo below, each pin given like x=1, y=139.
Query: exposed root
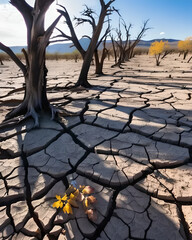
x=32, y=113
x=22, y=113
x=54, y=112
x=83, y=84
x=20, y=110
x=117, y=65
x=78, y=89
x=12, y=122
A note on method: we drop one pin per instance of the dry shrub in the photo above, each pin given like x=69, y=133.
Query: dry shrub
x=4, y=57
x=75, y=55
x=141, y=51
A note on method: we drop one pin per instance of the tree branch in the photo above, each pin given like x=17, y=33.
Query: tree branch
x=13, y=57
x=26, y=11
x=49, y=31
x=26, y=57
x=108, y=30
x=73, y=37
x=58, y=40
x=62, y=35
x=83, y=20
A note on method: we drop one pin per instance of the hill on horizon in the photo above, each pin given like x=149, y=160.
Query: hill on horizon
x=68, y=48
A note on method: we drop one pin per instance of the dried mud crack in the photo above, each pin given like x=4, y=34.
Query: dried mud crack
x=129, y=137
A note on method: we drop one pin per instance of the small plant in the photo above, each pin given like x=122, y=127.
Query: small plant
x=185, y=46
x=74, y=195
x=157, y=48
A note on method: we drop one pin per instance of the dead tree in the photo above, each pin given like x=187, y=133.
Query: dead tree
x=88, y=54
x=34, y=71
x=1, y=62
x=114, y=47
x=166, y=53
x=126, y=47
x=99, y=61
x=130, y=51
x=189, y=59
x=122, y=44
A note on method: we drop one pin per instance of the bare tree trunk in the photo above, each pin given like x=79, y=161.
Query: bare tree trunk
x=157, y=57
x=127, y=47
x=83, y=77
x=99, y=63
x=98, y=69
x=166, y=53
x=35, y=72
x=86, y=55
x=185, y=55
x=189, y=59
x=114, y=49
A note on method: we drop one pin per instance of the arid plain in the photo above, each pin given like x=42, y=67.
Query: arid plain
x=129, y=137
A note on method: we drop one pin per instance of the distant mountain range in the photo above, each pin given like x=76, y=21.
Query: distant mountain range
x=143, y=43
x=67, y=47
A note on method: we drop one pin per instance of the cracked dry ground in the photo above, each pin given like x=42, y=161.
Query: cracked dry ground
x=130, y=139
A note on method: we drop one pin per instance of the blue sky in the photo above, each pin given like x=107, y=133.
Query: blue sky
x=167, y=18
x=173, y=17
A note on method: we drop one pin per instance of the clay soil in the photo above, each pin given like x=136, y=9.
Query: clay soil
x=129, y=137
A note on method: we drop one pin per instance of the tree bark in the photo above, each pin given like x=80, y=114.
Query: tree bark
x=185, y=55
x=88, y=54
x=157, y=57
x=114, y=49
x=83, y=77
x=100, y=62
x=35, y=98
x=189, y=59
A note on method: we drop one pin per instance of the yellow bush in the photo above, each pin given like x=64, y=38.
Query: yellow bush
x=157, y=48
x=185, y=46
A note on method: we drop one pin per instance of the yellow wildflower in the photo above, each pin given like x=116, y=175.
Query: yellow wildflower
x=64, y=198
x=59, y=203
x=72, y=196
x=67, y=209
x=76, y=193
x=86, y=202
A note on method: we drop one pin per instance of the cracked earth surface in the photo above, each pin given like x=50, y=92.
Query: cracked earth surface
x=130, y=138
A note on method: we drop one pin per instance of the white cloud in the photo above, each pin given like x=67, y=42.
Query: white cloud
x=13, y=29
x=162, y=33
